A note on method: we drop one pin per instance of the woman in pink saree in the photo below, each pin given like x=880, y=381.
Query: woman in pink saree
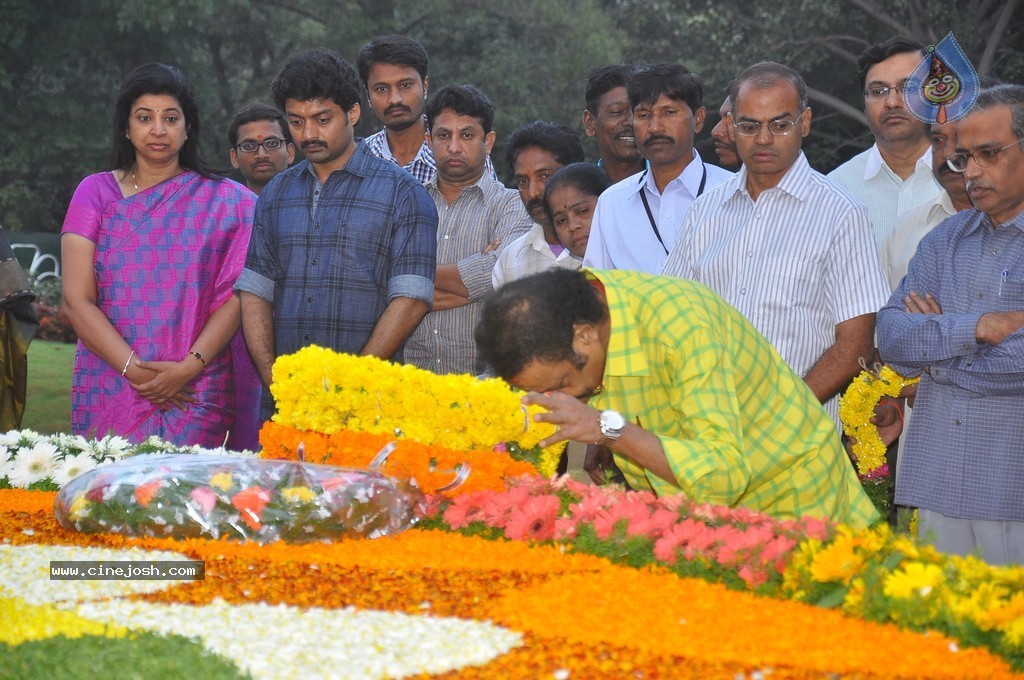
x=150, y=252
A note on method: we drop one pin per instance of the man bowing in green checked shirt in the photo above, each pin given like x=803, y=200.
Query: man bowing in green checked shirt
x=682, y=388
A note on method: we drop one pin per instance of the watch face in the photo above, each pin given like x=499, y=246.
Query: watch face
x=612, y=421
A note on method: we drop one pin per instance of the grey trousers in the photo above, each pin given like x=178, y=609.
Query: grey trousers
x=995, y=542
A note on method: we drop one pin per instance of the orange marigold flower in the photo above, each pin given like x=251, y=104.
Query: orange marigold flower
x=250, y=502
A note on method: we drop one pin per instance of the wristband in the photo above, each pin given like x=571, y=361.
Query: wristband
x=199, y=356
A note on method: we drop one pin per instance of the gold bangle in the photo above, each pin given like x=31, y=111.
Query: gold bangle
x=199, y=356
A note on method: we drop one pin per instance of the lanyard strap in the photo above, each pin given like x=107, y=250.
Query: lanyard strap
x=647, y=206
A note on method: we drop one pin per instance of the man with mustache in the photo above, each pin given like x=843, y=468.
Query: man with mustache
x=636, y=221
x=534, y=152
x=475, y=211
x=957, y=320
x=790, y=250
x=895, y=174
x=342, y=252
x=394, y=71
x=261, y=145
x=608, y=118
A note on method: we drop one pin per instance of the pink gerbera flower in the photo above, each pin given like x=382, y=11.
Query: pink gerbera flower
x=534, y=520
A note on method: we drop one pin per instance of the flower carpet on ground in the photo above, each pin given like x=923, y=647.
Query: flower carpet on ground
x=523, y=610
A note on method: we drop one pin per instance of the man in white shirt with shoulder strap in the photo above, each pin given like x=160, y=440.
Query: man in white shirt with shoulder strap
x=637, y=220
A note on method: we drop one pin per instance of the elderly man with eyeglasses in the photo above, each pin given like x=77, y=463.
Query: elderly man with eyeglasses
x=957, y=320
x=789, y=249
x=895, y=174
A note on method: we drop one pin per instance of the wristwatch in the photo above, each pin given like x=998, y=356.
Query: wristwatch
x=612, y=424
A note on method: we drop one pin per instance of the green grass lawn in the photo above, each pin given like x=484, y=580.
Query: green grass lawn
x=48, y=405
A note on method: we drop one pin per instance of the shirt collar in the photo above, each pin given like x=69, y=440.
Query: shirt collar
x=624, y=347
x=873, y=162
x=358, y=163
x=794, y=182
x=689, y=178
x=486, y=185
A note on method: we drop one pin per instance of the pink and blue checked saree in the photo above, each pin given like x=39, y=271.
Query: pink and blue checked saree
x=166, y=259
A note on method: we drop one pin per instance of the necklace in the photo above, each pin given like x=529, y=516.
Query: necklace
x=135, y=182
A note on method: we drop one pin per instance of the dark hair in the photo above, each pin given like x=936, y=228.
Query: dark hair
x=533, y=318
x=316, y=74
x=1004, y=95
x=156, y=78
x=603, y=81
x=674, y=81
x=588, y=178
x=464, y=100
x=558, y=139
x=766, y=74
x=879, y=52
x=251, y=113
x=392, y=49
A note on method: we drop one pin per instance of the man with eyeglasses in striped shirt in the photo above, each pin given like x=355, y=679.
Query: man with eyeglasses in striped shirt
x=261, y=145
x=790, y=250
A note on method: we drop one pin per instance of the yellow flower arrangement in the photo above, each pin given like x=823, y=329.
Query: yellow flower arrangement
x=320, y=390
x=857, y=408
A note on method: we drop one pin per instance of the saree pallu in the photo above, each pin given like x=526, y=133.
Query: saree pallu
x=166, y=259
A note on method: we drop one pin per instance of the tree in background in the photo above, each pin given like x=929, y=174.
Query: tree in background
x=63, y=61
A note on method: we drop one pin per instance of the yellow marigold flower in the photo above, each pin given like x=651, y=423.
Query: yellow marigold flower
x=855, y=596
x=1014, y=634
x=857, y=408
x=913, y=580
x=837, y=561
x=222, y=481
x=323, y=391
x=298, y=494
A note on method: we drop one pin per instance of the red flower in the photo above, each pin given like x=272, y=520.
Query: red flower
x=465, y=509
x=534, y=520
x=250, y=502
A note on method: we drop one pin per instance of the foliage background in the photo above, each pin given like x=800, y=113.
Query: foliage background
x=64, y=59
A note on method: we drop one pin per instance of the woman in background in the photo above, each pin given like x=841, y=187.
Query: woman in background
x=570, y=196
x=150, y=252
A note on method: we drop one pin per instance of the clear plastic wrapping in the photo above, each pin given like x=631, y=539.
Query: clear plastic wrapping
x=182, y=496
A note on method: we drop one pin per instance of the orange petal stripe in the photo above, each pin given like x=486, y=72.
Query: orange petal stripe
x=578, y=613
x=431, y=466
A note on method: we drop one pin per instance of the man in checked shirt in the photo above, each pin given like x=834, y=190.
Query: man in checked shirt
x=956, y=319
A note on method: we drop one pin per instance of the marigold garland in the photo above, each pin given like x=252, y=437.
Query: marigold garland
x=857, y=408
x=319, y=390
x=430, y=466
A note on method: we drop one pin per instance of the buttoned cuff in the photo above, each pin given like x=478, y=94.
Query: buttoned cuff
x=476, y=271
x=411, y=286
x=257, y=284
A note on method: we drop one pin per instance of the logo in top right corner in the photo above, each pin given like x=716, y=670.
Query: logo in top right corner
x=944, y=86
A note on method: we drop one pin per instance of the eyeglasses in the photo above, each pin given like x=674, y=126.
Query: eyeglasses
x=983, y=157
x=780, y=127
x=270, y=144
x=882, y=92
